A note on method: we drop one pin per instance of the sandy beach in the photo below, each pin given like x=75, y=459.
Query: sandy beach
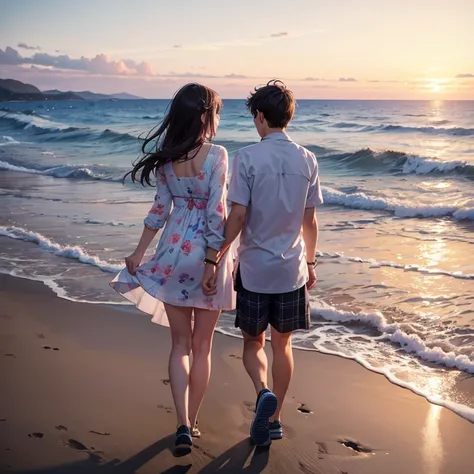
x=85, y=389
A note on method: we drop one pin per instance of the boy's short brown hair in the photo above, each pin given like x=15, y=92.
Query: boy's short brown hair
x=275, y=101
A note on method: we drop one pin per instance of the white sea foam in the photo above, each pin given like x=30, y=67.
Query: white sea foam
x=363, y=201
x=4, y=165
x=65, y=171
x=420, y=165
x=7, y=140
x=408, y=267
x=67, y=251
x=410, y=343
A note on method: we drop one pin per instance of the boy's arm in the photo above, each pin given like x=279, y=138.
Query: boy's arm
x=310, y=223
x=310, y=233
x=234, y=225
x=310, y=236
x=239, y=195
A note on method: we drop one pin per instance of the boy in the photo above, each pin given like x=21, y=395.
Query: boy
x=274, y=190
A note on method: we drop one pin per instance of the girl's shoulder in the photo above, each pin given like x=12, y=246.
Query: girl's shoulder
x=219, y=152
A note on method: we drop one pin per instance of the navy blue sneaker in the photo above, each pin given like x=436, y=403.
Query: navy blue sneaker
x=183, y=442
x=276, y=430
x=265, y=408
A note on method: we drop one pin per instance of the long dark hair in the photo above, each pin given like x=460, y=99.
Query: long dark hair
x=182, y=132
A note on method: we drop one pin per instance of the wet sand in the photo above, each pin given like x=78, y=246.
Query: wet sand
x=85, y=389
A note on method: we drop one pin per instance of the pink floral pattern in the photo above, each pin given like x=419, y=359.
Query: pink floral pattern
x=186, y=247
x=175, y=238
x=192, y=213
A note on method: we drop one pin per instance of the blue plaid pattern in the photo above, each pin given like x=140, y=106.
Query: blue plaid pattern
x=286, y=312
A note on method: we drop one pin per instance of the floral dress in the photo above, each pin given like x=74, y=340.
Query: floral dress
x=192, y=212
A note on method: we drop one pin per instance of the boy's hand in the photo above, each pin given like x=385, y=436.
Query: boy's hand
x=312, y=277
x=209, y=280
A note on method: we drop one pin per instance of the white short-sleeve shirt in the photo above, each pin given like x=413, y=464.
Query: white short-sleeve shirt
x=276, y=179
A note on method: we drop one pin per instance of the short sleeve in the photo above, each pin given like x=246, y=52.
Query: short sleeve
x=216, y=204
x=315, y=194
x=161, y=208
x=239, y=188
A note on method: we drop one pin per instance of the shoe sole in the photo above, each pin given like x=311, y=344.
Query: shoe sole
x=276, y=435
x=259, y=431
x=182, y=449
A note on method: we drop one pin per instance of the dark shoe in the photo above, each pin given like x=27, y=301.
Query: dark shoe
x=183, y=441
x=276, y=431
x=265, y=408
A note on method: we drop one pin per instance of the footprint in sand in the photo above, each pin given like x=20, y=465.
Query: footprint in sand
x=322, y=448
x=165, y=381
x=36, y=435
x=3, y=419
x=61, y=428
x=356, y=446
x=101, y=433
x=235, y=356
x=41, y=336
x=74, y=444
x=162, y=407
x=10, y=355
x=53, y=348
x=304, y=409
x=250, y=406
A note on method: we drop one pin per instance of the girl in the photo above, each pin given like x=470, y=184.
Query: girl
x=190, y=204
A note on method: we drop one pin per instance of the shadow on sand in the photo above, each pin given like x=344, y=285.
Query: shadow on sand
x=233, y=460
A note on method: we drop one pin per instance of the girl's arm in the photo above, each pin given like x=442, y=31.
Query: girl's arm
x=154, y=221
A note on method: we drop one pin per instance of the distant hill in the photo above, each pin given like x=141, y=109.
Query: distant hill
x=87, y=95
x=13, y=90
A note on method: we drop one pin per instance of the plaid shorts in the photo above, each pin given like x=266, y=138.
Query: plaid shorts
x=285, y=312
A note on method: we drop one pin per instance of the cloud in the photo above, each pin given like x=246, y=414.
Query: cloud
x=311, y=79
x=10, y=56
x=279, y=35
x=190, y=74
x=464, y=76
x=235, y=76
x=100, y=64
x=385, y=82
x=25, y=46
x=347, y=79
x=178, y=46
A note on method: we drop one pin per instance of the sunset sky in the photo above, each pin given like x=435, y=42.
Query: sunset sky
x=337, y=49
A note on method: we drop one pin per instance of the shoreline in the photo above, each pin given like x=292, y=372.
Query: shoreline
x=89, y=385
x=460, y=410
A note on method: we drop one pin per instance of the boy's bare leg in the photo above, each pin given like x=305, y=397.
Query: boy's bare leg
x=282, y=367
x=255, y=360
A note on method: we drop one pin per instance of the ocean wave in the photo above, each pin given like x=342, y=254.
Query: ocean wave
x=453, y=131
x=399, y=162
x=54, y=131
x=106, y=223
x=67, y=251
x=407, y=267
x=397, y=334
x=94, y=172
x=363, y=201
x=7, y=140
x=346, y=125
x=407, y=341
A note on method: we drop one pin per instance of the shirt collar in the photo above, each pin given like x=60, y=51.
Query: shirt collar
x=277, y=136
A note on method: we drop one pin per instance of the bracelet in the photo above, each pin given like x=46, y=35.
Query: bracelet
x=211, y=262
x=313, y=264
